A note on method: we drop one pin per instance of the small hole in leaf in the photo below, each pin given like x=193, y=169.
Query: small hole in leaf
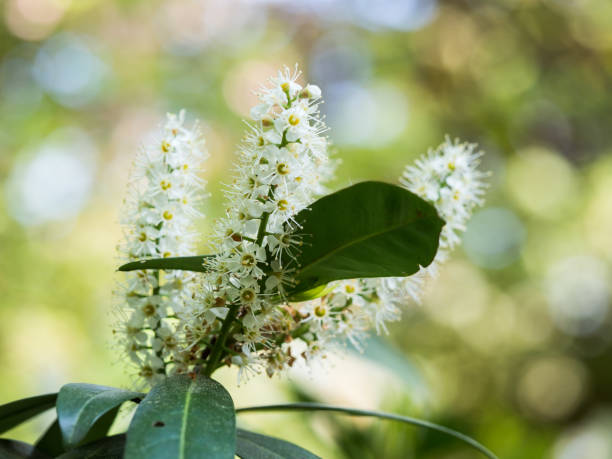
x=158, y=424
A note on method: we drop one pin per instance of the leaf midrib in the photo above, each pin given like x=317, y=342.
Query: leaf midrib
x=353, y=242
x=184, y=420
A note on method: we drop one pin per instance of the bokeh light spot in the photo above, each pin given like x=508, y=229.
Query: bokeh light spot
x=55, y=182
x=494, y=238
x=541, y=182
x=551, y=388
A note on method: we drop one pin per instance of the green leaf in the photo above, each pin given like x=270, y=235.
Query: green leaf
x=195, y=263
x=80, y=406
x=15, y=413
x=51, y=441
x=355, y=412
x=371, y=229
x=311, y=294
x=106, y=448
x=251, y=445
x=13, y=449
x=183, y=417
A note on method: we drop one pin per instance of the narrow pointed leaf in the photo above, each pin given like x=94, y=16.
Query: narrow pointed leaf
x=183, y=417
x=106, y=448
x=251, y=445
x=81, y=406
x=371, y=229
x=377, y=414
x=195, y=263
x=50, y=442
x=14, y=413
x=13, y=449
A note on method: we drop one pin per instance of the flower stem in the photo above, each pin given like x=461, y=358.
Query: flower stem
x=219, y=346
x=215, y=355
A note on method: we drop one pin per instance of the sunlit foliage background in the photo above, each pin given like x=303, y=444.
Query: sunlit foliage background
x=512, y=344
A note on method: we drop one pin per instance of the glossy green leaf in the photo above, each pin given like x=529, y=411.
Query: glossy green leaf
x=371, y=229
x=251, y=445
x=14, y=413
x=50, y=442
x=106, y=448
x=13, y=449
x=368, y=413
x=183, y=417
x=81, y=406
x=195, y=263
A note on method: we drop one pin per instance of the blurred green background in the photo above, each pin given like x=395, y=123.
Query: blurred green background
x=512, y=344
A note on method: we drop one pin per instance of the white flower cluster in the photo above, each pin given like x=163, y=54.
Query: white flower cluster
x=157, y=220
x=281, y=169
x=447, y=177
x=238, y=312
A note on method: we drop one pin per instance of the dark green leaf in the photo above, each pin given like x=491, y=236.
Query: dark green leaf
x=13, y=449
x=195, y=263
x=106, y=448
x=183, y=417
x=377, y=414
x=51, y=441
x=15, y=413
x=80, y=406
x=101, y=427
x=250, y=445
x=371, y=229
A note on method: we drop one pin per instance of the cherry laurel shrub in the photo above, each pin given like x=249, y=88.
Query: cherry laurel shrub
x=291, y=271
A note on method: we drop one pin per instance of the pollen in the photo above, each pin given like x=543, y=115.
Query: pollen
x=148, y=310
x=349, y=288
x=165, y=185
x=247, y=296
x=167, y=215
x=282, y=169
x=142, y=237
x=293, y=120
x=282, y=204
x=167, y=254
x=320, y=311
x=247, y=260
x=285, y=86
x=165, y=146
